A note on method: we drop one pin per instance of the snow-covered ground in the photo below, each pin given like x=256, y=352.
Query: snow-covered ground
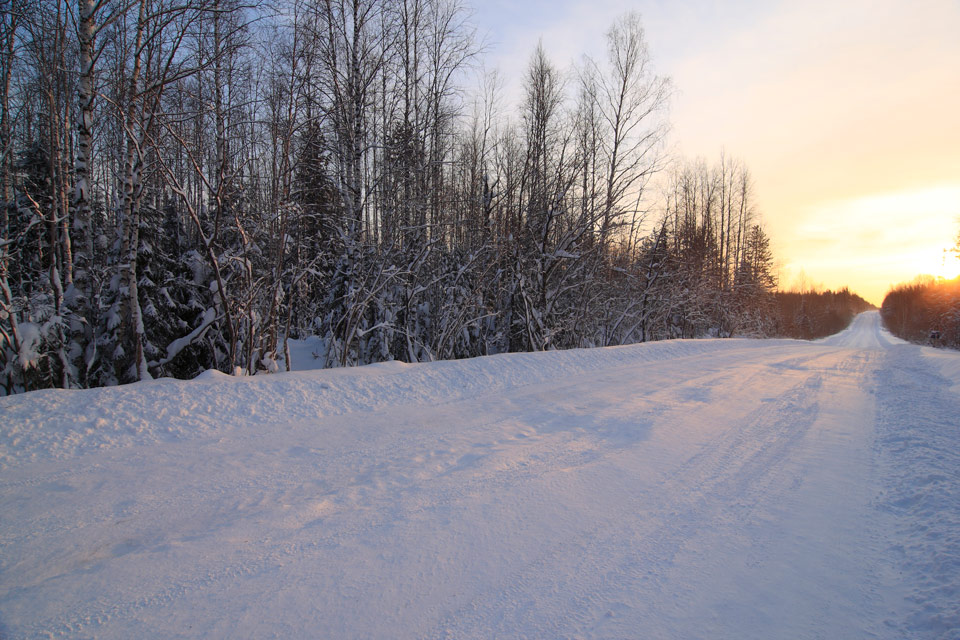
x=685, y=489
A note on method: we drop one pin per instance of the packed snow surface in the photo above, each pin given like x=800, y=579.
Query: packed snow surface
x=687, y=489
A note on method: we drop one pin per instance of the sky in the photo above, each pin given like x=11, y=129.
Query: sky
x=846, y=112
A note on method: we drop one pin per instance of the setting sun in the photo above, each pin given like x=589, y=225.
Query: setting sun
x=870, y=243
x=948, y=267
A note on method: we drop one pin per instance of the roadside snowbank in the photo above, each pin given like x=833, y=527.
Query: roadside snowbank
x=60, y=424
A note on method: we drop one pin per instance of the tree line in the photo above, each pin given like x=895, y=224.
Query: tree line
x=188, y=185
x=926, y=310
x=812, y=314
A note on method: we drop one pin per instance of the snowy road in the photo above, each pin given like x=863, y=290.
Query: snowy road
x=687, y=489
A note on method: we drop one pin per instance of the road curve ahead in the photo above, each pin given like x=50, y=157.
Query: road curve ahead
x=688, y=489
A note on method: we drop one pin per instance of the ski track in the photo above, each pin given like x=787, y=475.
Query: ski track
x=688, y=489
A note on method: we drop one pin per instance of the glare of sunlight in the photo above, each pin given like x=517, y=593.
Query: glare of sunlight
x=874, y=241
x=948, y=266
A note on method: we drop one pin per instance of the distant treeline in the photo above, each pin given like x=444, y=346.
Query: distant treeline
x=816, y=314
x=926, y=310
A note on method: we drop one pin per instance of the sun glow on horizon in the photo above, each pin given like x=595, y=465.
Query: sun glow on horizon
x=948, y=266
x=873, y=242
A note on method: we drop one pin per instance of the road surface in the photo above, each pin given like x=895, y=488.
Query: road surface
x=686, y=489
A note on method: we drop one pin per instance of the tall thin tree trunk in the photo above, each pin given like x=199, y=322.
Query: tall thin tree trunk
x=131, y=207
x=82, y=231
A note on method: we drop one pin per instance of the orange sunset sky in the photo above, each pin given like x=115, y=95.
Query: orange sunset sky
x=847, y=114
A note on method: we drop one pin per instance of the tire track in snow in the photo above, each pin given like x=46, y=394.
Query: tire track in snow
x=744, y=463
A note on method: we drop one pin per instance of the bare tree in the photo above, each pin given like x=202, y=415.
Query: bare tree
x=631, y=101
